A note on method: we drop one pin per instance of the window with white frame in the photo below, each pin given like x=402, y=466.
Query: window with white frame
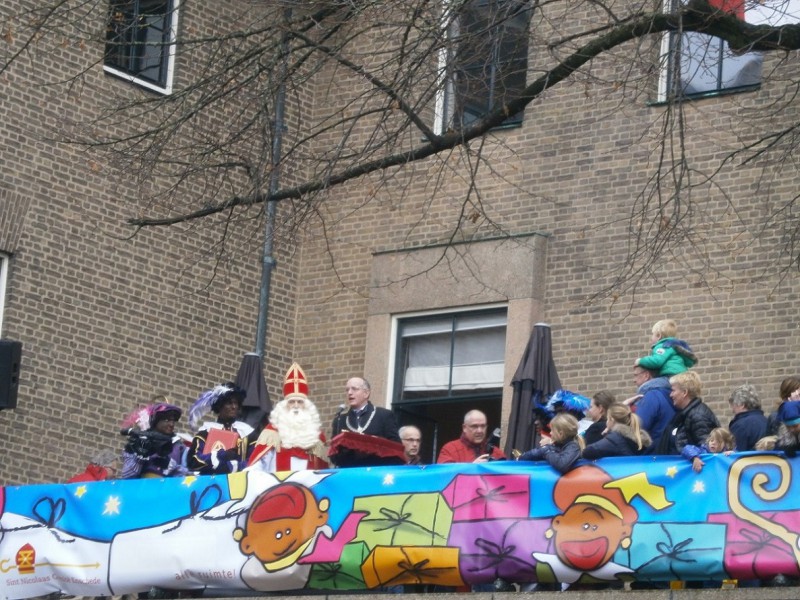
x=5, y=262
x=486, y=61
x=699, y=65
x=450, y=355
x=140, y=42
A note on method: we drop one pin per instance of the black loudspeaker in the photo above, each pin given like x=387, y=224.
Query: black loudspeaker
x=10, y=356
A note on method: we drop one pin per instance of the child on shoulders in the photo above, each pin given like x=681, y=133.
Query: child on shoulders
x=668, y=355
x=719, y=440
x=565, y=446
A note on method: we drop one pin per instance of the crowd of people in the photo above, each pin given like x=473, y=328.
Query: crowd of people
x=667, y=416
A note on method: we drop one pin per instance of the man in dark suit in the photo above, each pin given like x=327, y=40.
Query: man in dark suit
x=363, y=417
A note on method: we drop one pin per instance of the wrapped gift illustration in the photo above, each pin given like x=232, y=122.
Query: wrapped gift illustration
x=344, y=574
x=499, y=548
x=403, y=520
x=680, y=551
x=474, y=497
x=753, y=553
x=412, y=564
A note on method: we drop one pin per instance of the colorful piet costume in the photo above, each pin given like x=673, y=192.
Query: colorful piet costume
x=221, y=446
x=149, y=452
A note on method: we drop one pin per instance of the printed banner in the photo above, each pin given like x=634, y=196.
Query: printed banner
x=646, y=519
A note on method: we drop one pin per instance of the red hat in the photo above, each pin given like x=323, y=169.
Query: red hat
x=295, y=384
x=284, y=501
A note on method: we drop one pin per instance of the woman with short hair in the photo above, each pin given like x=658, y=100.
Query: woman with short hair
x=693, y=420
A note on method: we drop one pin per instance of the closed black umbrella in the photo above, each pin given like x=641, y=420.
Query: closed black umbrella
x=534, y=381
x=250, y=377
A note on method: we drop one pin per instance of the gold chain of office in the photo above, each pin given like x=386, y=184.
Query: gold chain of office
x=357, y=428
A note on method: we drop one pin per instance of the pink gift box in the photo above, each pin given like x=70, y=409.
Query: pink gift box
x=753, y=553
x=475, y=497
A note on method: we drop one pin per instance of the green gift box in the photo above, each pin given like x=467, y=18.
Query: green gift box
x=344, y=574
x=404, y=520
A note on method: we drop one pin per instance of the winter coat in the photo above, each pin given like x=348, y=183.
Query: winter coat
x=689, y=426
x=669, y=356
x=561, y=456
x=594, y=433
x=620, y=441
x=773, y=423
x=464, y=451
x=748, y=427
x=654, y=408
x=690, y=451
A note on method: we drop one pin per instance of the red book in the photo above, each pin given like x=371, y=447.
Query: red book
x=220, y=439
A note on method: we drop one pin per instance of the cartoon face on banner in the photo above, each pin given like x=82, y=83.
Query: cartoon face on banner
x=596, y=520
x=281, y=523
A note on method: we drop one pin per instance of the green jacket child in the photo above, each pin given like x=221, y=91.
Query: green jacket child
x=669, y=356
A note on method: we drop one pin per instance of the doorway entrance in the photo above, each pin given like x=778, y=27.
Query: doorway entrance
x=446, y=365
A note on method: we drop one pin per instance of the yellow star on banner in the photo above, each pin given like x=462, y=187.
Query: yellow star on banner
x=638, y=485
x=112, y=506
x=189, y=480
x=699, y=487
x=388, y=479
x=80, y=491
x=672, y=471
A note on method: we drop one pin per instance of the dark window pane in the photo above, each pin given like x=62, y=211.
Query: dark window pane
x=491, y=57
x=138, y=38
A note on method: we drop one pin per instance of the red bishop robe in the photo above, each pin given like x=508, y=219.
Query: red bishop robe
x=269, y=439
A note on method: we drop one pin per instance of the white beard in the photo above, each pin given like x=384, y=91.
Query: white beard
x=297, y=428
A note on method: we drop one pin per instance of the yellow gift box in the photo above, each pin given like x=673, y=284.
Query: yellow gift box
x=394, y=565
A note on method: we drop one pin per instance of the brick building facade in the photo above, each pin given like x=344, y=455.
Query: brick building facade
x=107, y=319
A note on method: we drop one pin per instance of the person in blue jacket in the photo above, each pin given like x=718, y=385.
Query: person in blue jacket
x=652, y=403
x=749, y=423
x=565, y=447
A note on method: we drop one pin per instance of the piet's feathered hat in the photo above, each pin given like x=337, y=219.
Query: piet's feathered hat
x=146, y=416
x=213, y=399
x=295, y=384
x=564, y=400
x=164, y=410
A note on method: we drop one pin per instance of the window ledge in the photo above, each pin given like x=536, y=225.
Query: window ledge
x=706, y=95
x=152, y=87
